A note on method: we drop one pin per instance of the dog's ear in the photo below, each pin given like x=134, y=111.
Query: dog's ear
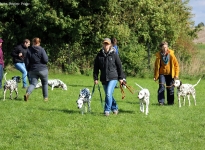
x=180, y=82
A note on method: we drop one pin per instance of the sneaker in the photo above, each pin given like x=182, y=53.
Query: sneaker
x=161, y=104
x=26, y=96
x=45, y=99
x=115, y=112
x=107, y=114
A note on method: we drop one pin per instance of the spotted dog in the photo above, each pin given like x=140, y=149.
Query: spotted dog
x=84, y=97
x=184, y=90
x=54, y=83
x=144, y=96
x=11, y=85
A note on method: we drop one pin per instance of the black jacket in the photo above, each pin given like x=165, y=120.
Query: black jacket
x=36, y=59
x=109, y=64
x=15, y=53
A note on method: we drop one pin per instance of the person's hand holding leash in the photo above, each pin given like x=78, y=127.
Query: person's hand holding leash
x=96, y=82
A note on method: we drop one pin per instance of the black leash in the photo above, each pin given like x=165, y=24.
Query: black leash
x=99, y=92
x=100, y=95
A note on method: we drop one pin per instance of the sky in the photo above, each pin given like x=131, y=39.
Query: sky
x=198, y=9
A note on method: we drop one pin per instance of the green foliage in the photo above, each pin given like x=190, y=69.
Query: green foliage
x=72, y=31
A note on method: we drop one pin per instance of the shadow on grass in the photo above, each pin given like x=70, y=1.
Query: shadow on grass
x=126, y=111
x=79, y=85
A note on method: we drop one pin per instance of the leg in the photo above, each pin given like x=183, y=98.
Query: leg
x=147, y=106
x=110, y=103
x=44, y=80
x=188, y=96
x=4, y=94
x=179, y=100
x=11, y=91
x=170, y=89
x=1, y=75
x=141, y=107
x=34, y=81
x=161, y=89
x=89, y=106
x=16, y=91
x=194, y=97
x=21, y=67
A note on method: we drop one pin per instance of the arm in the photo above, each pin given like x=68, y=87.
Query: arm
x=44, y=57
x=96, y=70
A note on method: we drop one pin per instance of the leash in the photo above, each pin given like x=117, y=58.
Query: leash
x=100, y=95
x=131, y=89
x=165, y=85
x=99, y=92
x=93, y=90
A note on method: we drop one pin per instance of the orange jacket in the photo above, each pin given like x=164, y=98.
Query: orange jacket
x=173, y=63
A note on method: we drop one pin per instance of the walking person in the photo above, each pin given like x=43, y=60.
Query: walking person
x=19, y=54
x=36, y=64
x=166, y=70
x=110, y=67
x=1, y=63
x=114, y=44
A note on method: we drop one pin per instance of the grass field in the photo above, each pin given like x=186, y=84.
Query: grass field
x=58, y=124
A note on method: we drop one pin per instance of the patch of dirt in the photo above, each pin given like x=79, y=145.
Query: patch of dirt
x=201, y=37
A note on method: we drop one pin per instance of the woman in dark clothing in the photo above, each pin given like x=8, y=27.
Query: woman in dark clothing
x=36, y=64
x=109, y=65
x=1, y=63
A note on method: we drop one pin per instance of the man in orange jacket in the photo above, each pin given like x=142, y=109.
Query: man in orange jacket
x=166, y=70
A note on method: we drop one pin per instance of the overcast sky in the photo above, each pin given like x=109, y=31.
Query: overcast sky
x=198, y=8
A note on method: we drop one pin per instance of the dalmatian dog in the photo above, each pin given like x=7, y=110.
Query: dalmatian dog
x=143, y=96
x=11, y=85
x=184, y=90
x=54, y=83
x=84, y=97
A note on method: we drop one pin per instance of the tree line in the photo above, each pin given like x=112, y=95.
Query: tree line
x=72, y=30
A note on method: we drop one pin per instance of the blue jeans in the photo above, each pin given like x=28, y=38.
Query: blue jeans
x=168, y=80
x=22, y=68
x=110, y=103
x=34, y=76
x=1, y=75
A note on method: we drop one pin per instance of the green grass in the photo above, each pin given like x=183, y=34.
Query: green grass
x=58, y=124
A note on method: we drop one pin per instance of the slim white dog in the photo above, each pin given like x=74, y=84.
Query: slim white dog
x=54, y=83
x=144, y=96
x=185, y=90
x=84, y=97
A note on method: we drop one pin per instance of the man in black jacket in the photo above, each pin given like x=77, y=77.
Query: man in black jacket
x=110, y=67
x=19, y=54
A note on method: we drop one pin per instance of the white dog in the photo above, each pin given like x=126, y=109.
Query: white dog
x=185, y=90
x=84, y=97
x=143, y=96
x=54, y=83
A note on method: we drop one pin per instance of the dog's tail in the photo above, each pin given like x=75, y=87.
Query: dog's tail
x=5, y=76
x=197, y=82
x=139, y=86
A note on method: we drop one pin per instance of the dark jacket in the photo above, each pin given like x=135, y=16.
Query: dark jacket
x=36, y=59
x=109, y=65
x=15, y=53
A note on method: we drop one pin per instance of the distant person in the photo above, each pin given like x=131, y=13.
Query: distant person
x=108, y=63
x=19, y=54
x=36, y=64
x=166, y=70
x=1, y=63
x=114, y=44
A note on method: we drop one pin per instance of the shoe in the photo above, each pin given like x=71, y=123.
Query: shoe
x=161, y=104
x=115, y=112
x=45, y=99
x=107, y=114
x=26, y=96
